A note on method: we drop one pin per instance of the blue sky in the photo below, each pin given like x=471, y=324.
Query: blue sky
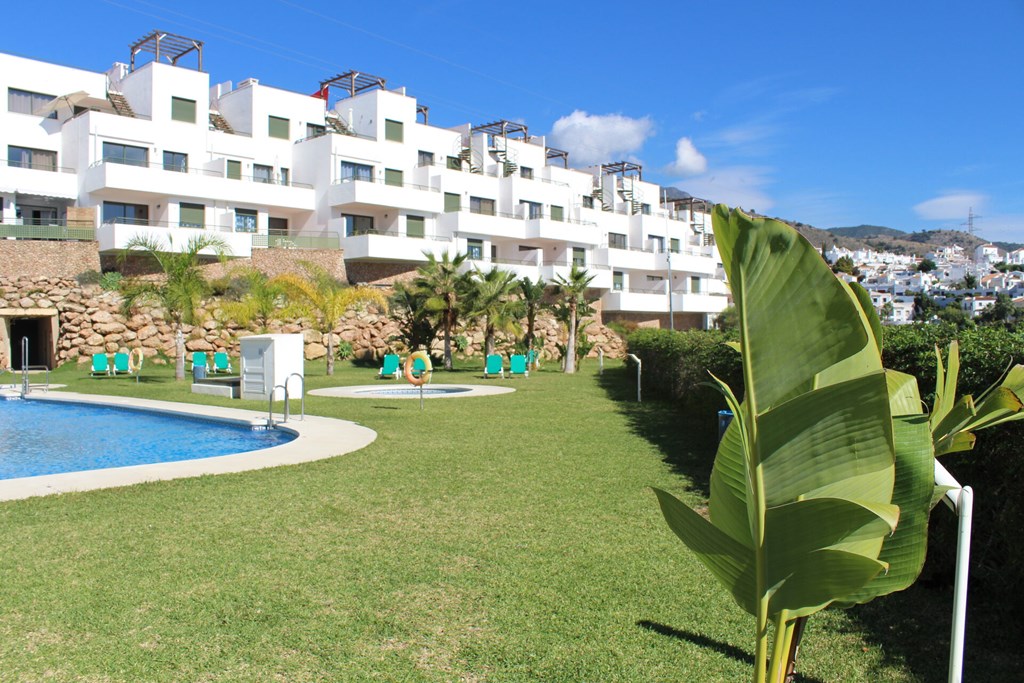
x=891, y=113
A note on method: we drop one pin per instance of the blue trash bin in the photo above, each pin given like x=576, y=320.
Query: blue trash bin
x=724, y=418
x=198, y=373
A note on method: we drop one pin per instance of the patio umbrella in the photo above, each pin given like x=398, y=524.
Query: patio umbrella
x=70, y=100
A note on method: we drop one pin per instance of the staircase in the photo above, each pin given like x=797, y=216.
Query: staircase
x=505, y=156
x=598, y=194
x=218, y=122
x=120, y=104
x=466, y=156
x=335, y=124
x=632, y=198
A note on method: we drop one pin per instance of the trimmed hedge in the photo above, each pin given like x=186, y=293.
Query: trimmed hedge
x=678, y=366
x=992, y=469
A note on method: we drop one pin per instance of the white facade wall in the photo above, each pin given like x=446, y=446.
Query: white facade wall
x=540, y=223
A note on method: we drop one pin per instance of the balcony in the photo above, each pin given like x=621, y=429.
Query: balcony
x=156, y=181
x=113, y=236
x=655, y=301
x=561, y=269
x=392, y=246
x=371, y=192
x=18, y=229
x=284, y=240
x=38, y=179
x=550, y=229
x=630, y=258
x=497, y=225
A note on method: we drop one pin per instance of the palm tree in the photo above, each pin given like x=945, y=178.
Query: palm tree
x=183, y=286
x=446, y=291
x=416, y=327
x=532, y=298
x=572, y=291
x=492, y=300
x=321, y=296
x=259, y=302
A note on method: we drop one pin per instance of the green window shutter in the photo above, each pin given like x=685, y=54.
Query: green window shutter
x=452, y=202
x=414, y=226
x=192, y=215
x=617, y=281
x=234, y=169
x=579, y=256
x=183, y=110
x=392, y=177
x=277, y=127
x=393, y=130
x=557, y=213
x=673, y=245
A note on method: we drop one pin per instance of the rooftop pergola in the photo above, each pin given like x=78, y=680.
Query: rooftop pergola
x=623, y=168
x=352, y=82
x=167, y=46
x=425, y=111
x=553, y=153
x=503, y=128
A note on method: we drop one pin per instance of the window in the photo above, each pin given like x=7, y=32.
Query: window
x=234, y=169
x=275, y=224
x=494, y=252
x=393, y=130
x=314, y=130
x=353, y=171
x=557, y=213
x=617, y=281
x=475, y=249
x=414, y=226
x=526, y=172
x=191, y=215
x=481, y=205
x=286, y=176
x=452, y=202
x=616, y=241
x=117, y=153
x=393, y=177
x=183, y=110
x=26, y=102
x=262, y=174
x=277, y=127
x=26, y=157
x=579, y=256
x=655, y=278
x=245, y=220
x=657, y=243
x=425, y=158
x=176, y=161
x=532, y=209
x=588, y=202
x=357, y=225
x=645, y=209
x=115, y=212
x=673, y=245
x=695, y=285
x=454, y=164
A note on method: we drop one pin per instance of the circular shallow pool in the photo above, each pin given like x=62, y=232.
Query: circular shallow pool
x=429, y=391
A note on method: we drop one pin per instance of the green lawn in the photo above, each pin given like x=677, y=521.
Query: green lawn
x=505, y=538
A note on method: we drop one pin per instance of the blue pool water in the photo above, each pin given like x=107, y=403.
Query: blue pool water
x=39, y=437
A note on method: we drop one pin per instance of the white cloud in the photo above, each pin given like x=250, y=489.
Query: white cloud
x=689, y=161
x=949, y=206
x=743, y=186
x=600, y=138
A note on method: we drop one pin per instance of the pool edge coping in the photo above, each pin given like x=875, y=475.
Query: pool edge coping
x=316, y=438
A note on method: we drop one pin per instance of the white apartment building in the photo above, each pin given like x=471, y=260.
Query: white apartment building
x=157, y=149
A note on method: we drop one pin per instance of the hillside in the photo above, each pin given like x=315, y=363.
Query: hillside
x=867, y=231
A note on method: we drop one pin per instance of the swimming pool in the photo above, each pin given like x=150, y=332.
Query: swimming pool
x=40, y=437
x=314, y=438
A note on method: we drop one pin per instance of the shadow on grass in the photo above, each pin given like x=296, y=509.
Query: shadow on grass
x=687, y=439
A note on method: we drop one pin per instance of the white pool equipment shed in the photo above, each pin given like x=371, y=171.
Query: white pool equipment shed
x=271, y=362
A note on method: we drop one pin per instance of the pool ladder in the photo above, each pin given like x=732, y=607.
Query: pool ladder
x=287, y=400
x=26, y=386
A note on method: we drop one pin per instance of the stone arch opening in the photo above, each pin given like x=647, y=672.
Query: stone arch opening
x=39, y=327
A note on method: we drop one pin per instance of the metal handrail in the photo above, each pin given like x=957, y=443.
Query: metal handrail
x=147, y=223
x=427, y=188
x=270, y=405
x=170, y=168
x=395, y=233
x=38, y=167
x=51, y=230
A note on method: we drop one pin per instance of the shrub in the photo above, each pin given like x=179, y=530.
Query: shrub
x=111, y=281
x=679, y=365
x=344, y=350
x=992, y=468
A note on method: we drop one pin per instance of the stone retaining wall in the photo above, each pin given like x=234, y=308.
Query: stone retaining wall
x=48, y=258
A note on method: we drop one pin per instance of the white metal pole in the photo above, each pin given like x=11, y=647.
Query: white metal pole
x=961, y=501
x=668, y=261
x=638, y=365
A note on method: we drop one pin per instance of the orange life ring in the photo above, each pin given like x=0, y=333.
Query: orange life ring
x=410, y=363
x=135, y=359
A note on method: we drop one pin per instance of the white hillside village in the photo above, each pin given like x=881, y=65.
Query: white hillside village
x=959, y=278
